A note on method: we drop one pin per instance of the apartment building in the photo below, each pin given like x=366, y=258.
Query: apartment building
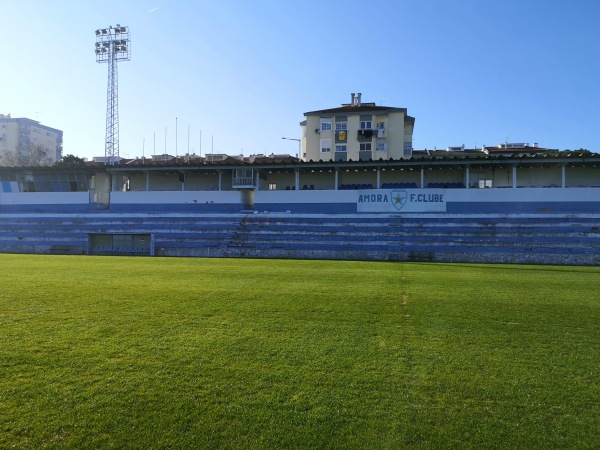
x=357, y=131
x=25, y=142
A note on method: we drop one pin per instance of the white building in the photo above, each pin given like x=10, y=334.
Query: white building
x=357, y=131
x=26, y=142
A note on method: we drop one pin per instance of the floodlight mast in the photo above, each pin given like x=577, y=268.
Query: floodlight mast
x=113, y=44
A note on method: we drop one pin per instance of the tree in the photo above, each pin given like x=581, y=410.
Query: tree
x=37, y=156
x=70, y=161
x=9, y=159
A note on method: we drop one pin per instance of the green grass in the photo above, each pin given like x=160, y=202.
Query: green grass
x=103, y=352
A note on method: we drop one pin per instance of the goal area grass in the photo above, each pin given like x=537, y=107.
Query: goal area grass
x=134, y=352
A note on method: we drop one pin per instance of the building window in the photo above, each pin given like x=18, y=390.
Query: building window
x=325, y=145
x=272, y=186
x=325, y=123
x=341, y=136
x=380, y=125
x=365, y=122
x=340, y=148
x=365, y=147
x=244, y=173
x=407, y=149
x=382, y=145
x=341, y=123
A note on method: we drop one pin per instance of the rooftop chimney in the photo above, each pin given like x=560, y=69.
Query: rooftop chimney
x=352, y=101
x=358, y=99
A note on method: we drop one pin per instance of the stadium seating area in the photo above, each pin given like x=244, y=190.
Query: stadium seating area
x=446, y=185
x=399, y=186
x=550, y=238
x=346, y=187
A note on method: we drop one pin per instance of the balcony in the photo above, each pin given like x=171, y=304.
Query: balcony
x=243, y=183
x=343, y=156
x=365, y=155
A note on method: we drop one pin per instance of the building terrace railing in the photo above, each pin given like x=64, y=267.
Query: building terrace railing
x=243, y=182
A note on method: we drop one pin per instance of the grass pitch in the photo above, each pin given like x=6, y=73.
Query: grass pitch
x=103, y=352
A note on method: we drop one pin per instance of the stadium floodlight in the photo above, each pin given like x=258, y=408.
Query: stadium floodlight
x=111, y=50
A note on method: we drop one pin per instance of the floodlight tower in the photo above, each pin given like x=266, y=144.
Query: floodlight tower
x=112, y=45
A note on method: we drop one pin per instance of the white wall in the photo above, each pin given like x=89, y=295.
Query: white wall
x=175, y=197
x=45, y=198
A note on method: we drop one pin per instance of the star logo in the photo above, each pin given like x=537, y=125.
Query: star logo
x=399, y=199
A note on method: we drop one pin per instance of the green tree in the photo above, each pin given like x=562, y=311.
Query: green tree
x=70, y=161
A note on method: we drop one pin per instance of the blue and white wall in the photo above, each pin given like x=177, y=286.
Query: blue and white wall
x=415, y=201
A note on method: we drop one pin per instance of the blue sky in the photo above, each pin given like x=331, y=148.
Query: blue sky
x=241, y=74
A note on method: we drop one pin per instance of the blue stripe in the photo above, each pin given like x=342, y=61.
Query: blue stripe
x=522, y=207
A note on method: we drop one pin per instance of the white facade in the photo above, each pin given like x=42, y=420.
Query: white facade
x=357, y=131
x=26, y=142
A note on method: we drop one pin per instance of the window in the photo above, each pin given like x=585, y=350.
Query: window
x=272, y=187
x=325, y=123
x=407, y=149
x=340, y=148
x=382, y=145
x=365, y=147
x=325, y=145
x=380, y=125
x=341, y=123
x=243, y=173
x=365, y=122
x=243, y=177
x=341, y=136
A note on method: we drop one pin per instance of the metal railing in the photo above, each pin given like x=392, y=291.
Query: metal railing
x=243, y=181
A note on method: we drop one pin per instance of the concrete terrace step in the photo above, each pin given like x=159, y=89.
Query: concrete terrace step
x=477, y=237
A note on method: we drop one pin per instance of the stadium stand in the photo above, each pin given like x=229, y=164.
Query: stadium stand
x=545, y=239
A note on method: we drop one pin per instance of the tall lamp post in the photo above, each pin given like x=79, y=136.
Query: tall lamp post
x=299, y=145
x=112, y=45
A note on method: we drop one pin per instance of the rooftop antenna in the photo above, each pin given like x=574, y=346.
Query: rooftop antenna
x=112, y=46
